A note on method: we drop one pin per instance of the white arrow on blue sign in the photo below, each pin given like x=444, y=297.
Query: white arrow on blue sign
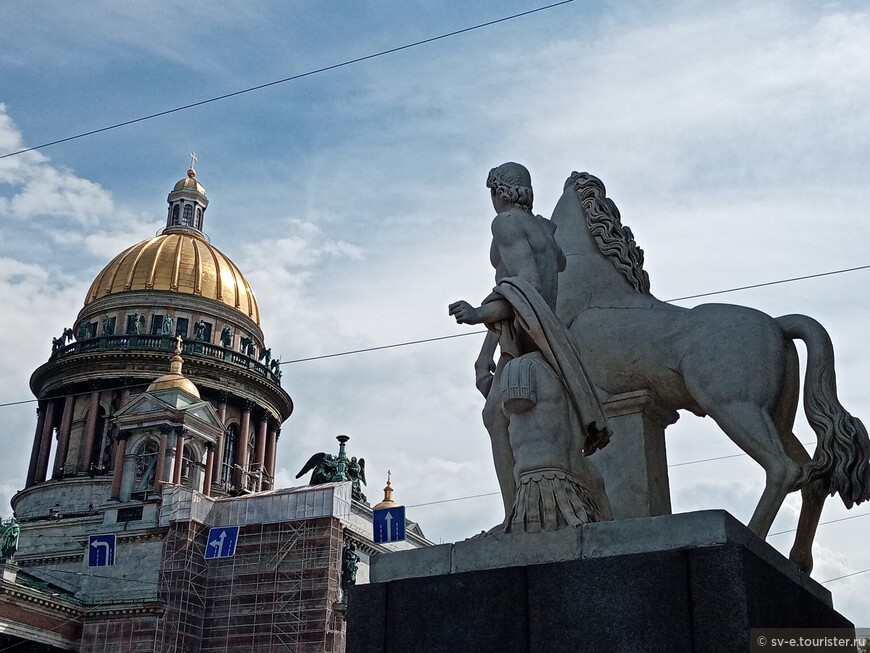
x=389, y=524
x=101, y=550
x=221, y=542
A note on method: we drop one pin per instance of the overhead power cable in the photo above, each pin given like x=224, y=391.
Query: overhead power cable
x=769, y=283
x=473, y=333
x=398, y=344
x=676, y=299
x=85, y=612
x=854, y=573
x=291, y=78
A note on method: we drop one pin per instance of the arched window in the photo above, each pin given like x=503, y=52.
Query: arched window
x=146, y=462
x=191, y=467
x=175, y=210
x=231, y=442
x=199, y=219
x=100, y=459
x=187, y=218
x=249, y=480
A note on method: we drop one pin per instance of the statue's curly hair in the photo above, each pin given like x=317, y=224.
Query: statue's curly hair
x=613, y=239
x=513, y=183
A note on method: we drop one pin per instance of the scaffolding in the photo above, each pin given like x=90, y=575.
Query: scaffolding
x=183, y=588
x=276, y=594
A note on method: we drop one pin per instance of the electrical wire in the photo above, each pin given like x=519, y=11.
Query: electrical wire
x=83, y=613
x=830, y=521
x=854, y=573
x=398, y=344
x=769, y=283
x=291, y=78
x=473, y=333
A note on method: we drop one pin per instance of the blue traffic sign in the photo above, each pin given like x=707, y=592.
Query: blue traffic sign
x=101, y=550
x=389, y=524
x=221, y=542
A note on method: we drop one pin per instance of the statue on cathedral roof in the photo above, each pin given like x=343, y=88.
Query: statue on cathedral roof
x=9, y=533
x=326, y=468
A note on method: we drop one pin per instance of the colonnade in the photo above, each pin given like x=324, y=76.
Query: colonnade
x=57, y=414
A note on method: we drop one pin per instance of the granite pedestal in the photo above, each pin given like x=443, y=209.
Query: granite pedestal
x=689, y=582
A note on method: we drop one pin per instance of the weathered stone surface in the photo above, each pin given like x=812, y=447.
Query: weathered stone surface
x=634, y=464
x=696, y=582
x=430, y=561
x=439, y=614
x=731, y=362
x=541, y=412
x=706, y=528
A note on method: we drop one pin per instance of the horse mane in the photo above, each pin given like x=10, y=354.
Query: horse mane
x=613, y=239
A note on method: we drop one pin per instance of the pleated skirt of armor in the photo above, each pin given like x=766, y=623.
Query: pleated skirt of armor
x=550, y=499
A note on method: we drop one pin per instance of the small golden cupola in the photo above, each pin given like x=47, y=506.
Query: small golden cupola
x=187, y=203
x=388, y=496
x=175, y=379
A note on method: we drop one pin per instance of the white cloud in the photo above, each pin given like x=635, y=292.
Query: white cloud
x=48, y=191
x=733, y=137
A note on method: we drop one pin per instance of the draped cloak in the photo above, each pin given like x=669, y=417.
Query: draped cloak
x=539, y=324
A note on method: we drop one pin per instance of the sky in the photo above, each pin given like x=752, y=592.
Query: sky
x=733, y=136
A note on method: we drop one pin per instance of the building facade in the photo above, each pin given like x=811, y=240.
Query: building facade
x=158, y=424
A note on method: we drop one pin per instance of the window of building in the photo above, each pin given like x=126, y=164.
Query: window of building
x=231, y=442
x=156, y=325
x=249, y=480
x=96, y=464
x=129, y=514
x=187, y=218
x=146, y=462
x=199, y=219
x=86, y=330
x=190, y=468
x=175, y=211
x=135, y=323
x=109, y=326
x=202, y=331
x=181, y=327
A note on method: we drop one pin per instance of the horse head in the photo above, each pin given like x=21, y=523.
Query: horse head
x=604, y=264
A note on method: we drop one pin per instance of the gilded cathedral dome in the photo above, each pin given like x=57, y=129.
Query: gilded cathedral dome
x=180, y=261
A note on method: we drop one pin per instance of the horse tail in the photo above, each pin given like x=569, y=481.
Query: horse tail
x=842, y=456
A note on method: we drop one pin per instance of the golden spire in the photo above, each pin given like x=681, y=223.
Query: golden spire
x=388, y=496
x=175, y=379
x=191, y=172
x=176, y=361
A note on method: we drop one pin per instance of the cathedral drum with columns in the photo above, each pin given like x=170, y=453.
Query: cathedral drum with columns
x=173, y=285
x=121, y=429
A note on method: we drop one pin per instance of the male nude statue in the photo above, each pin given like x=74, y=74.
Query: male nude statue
x=541, y=412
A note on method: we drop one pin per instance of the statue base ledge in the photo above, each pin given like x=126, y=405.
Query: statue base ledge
x=691, y=582
x=597, y=540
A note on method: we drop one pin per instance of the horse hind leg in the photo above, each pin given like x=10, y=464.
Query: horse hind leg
x=752, y=429
x=813, y=495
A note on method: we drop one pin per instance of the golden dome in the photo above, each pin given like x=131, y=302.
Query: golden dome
x=175, y=379
x=190, y=183
x=179, y=262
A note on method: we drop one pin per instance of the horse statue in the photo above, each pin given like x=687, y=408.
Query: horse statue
x=733, y=363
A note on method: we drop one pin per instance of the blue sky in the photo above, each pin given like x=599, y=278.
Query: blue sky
x=733, y=136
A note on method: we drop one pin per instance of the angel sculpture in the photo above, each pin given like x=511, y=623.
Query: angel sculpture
x=337, y=469
x=356, y=471
x=324, y=465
